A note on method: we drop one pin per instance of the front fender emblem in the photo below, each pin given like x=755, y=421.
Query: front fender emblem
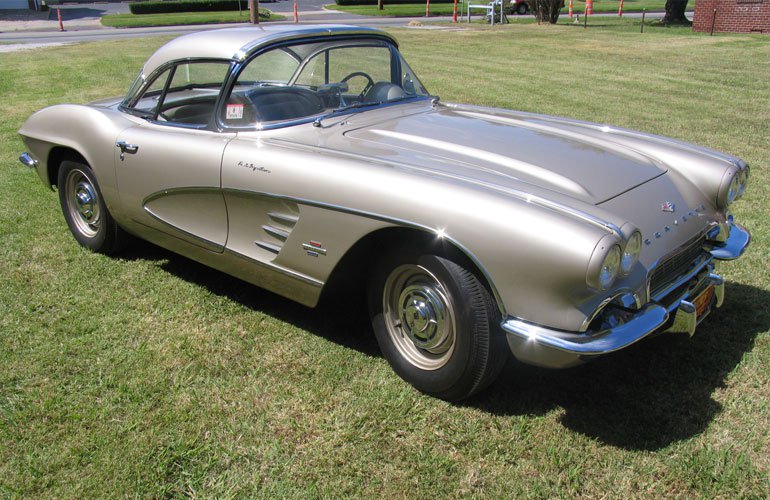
x=314, y=248
x=667, y=206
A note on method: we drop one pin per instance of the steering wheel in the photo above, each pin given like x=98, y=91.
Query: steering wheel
x=369, y=84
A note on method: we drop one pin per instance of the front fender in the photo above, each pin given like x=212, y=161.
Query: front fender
x=534, y=257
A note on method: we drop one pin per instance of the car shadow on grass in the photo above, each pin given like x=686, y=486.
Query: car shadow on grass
x=332, y=319
x=646, y=397
x=650, y=395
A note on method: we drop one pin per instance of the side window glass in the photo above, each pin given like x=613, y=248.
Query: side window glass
x=192, y=93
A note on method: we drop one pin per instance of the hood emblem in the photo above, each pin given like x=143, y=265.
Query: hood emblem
x=667, y=206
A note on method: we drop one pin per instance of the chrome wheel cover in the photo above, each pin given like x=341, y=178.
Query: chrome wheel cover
x=419, y=317
x=82, y=203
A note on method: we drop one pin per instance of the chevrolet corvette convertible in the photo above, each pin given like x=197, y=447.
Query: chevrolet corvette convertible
x=305, y=159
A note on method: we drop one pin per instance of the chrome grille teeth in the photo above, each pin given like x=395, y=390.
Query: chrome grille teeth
x=676, y=265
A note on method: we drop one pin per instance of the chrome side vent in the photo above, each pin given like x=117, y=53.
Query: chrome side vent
x=277, y=231
x=284, y=219
x=269, y=247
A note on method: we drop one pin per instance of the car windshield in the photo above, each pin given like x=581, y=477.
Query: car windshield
x=295, y=82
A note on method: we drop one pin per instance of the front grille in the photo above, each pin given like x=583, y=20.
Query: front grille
x=678, y=264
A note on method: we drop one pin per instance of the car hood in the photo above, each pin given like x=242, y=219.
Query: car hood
x=524, y=152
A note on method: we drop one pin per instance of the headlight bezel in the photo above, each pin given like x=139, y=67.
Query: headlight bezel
x=608, y=245
x=608, y=255
x=733, y=186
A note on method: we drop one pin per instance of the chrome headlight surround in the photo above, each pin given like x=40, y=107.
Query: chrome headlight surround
x=604, y=266
x=733, y=185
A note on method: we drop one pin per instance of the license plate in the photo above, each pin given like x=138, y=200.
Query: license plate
x=702, y=302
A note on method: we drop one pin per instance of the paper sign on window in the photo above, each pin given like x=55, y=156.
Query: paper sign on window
x=234, y=111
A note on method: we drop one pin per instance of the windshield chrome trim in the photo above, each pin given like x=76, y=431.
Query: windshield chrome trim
x=322, y=33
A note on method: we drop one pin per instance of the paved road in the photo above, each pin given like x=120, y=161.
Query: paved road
x=82, y=23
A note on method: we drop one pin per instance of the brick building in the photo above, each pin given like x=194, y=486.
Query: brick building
x=736, y=16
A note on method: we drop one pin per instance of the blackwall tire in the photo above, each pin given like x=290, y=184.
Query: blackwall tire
x=85, y=211
x=437, y=325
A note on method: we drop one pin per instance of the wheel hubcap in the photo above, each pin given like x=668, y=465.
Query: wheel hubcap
x=422, y=314
x=419, y=317
x=82, y=203
x=85, y=198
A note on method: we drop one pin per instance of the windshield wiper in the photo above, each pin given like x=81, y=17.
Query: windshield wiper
x=344, y=110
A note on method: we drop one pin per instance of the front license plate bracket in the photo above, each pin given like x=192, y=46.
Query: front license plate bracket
x=703, y=303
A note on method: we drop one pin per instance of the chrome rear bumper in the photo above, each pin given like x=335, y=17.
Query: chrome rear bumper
x=542, y=346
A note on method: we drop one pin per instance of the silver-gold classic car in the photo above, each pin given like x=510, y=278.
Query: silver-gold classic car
x=298, y=157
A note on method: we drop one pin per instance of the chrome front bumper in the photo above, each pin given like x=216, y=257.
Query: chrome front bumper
x=542, y=346
x=27, y=160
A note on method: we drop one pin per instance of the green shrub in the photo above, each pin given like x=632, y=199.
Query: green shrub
x=374, y=2
x=157, y=7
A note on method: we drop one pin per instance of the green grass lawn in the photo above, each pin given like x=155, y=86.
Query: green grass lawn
x=181, y=18
x=445, y=9
x=147, y=375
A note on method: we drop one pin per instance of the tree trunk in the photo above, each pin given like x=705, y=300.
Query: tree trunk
x=546, y=11
x=675, y=12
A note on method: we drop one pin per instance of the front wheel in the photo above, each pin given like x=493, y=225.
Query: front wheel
x=437, y=325
x=522, y=9
x=85, y=211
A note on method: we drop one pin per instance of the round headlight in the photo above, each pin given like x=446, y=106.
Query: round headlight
x=631, y=253
x=610, y=268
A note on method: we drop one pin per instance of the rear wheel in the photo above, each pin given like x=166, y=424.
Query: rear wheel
x=437, y=325
x=84, y=210
x=522, y=9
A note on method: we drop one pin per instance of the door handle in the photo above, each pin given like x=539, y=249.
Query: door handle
x=126, y=147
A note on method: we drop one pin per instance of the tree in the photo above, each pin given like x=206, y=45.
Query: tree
x=546, y=11
x=675, y=12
